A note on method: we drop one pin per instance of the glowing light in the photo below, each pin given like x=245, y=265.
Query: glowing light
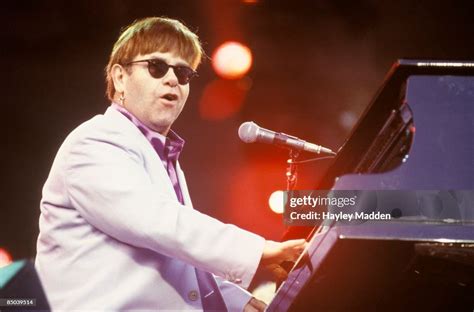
x=222, y=99
x=5, y=258
x=347, y=119
x=232, y=60
x=276, y=202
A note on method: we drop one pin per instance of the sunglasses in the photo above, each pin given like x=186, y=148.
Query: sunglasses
x=158, y=68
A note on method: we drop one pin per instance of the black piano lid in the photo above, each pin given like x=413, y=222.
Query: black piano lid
x=389, y=98
x=415, y=262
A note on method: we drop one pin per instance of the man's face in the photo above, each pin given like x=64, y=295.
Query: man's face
x=155, y=102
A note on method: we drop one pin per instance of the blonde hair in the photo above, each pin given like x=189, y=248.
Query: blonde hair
x=149, y=35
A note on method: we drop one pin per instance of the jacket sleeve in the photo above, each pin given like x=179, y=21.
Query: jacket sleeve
x=108, y=184
x=235, y=297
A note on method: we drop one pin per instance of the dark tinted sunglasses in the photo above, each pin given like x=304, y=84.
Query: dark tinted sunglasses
x=158, y=68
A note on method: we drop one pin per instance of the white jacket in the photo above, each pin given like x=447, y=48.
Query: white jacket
x=113, y=235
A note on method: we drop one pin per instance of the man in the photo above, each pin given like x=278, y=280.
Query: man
x=117, y=227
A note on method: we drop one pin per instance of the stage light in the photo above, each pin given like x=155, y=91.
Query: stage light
x=232, y=60
x=222, y=99
x=347, y=119
x=5, y=258
x=276, y=202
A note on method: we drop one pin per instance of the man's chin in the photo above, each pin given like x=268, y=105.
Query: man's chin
x=162, y=126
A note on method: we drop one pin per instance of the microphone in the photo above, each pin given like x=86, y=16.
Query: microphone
x=250, y=132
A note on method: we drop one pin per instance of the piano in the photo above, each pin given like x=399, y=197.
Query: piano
x=412, y=153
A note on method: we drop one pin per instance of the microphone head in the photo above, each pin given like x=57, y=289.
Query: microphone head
x=248, y=132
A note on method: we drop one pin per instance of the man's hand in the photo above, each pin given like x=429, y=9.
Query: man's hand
x=274, y=253
x=255, y=305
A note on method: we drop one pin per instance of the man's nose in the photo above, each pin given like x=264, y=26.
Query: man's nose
x=170, y=78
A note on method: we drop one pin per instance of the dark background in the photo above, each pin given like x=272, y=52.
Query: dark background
x=316, y=66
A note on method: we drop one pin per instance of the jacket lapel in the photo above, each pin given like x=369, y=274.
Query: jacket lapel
x=153, y=164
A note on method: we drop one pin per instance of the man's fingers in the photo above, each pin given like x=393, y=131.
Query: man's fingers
x=258, y=304
x=294, y=248
x=255, y=305
x=278, y=273
x=275, y=253
x=295, y=243
x=250, y=308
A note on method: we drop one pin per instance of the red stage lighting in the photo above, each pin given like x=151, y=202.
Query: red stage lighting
x=222, y=99
x=5, y=258
x=232, y=60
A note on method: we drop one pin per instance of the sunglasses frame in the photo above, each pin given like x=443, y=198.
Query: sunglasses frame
x=176, y=68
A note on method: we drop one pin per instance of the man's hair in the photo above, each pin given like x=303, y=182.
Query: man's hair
x=149, y=35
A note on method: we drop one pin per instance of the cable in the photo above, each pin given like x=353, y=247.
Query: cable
x=308, y=160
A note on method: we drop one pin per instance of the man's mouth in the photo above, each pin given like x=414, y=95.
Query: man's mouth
x=170, y=97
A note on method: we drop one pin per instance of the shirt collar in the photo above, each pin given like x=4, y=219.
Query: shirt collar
x=168, y=147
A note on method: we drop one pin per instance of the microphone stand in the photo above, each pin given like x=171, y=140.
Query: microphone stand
x=291, y=177
x=291, y=170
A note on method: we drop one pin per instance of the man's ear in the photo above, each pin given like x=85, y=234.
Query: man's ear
x=118, y=74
